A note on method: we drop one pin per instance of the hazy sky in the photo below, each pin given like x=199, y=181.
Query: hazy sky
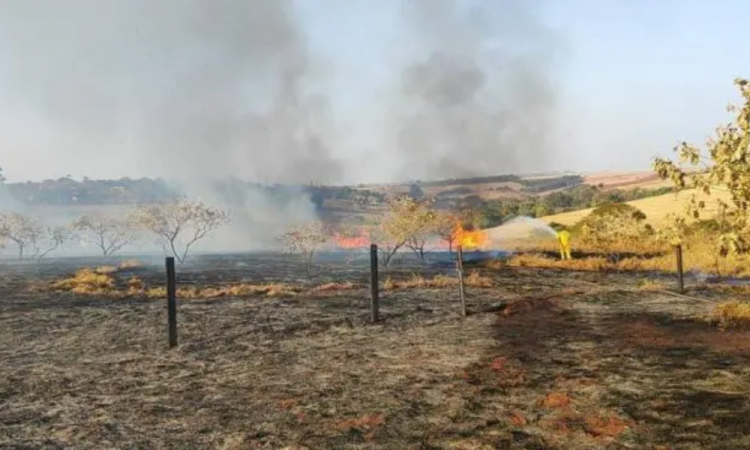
x=629, y=78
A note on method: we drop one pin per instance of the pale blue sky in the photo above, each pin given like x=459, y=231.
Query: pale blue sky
x=636, y=76
x=633, y=76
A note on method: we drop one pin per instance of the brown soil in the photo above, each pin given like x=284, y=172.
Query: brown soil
x=542, y=362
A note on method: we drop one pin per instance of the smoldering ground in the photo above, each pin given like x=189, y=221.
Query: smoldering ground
x=196, y=90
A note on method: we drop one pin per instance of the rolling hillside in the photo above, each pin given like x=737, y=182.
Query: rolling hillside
x=625, y=180
x=656, y=208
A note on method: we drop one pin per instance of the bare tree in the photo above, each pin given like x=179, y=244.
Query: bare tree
x=406, y=223
x=18, y=229
x=445, y=227
x=424, y=224
x=110, y=234
x=47, y=240
x=29, y=234
x=305, y=239
x=180, y=223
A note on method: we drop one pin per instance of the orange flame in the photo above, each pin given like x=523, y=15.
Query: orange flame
x=362, y=240
x=469, y=240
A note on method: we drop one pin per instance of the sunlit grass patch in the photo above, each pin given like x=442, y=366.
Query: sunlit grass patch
x=88, y=281
x=731, y=314
x=473, y=279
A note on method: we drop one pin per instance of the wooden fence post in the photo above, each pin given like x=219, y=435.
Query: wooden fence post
x=680, y=273
x=374, y=283
x=171, y=302
x=460, y=271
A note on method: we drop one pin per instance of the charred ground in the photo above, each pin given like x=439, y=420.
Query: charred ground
x=546, y=359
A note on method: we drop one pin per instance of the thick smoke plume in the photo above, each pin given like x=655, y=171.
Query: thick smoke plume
x=186, y=88
x=197, y=90
x=480, y=101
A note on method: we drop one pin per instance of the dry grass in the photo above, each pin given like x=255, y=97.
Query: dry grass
x=473, y=279
x=591, y=264
x=653, y=286
x=732, y=314
x=233, y=290
x=656, y=208
x=103, y=281
x=698, y=256
x=88, y=281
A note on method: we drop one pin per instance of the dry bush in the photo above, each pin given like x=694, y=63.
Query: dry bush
x=87, y=281
x=731, y=314
x=615, y=229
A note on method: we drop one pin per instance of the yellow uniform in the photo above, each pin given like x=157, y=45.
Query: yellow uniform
x=563, y=237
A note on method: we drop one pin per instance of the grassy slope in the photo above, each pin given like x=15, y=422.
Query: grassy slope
x=655, y=208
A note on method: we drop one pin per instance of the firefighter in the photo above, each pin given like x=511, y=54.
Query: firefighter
x=563, y=238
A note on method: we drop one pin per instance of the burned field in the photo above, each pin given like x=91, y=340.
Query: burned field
x=545, y=359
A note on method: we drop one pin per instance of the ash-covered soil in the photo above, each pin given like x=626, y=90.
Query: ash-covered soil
x=546, y=360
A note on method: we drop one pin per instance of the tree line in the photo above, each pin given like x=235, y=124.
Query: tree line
x=174, y=225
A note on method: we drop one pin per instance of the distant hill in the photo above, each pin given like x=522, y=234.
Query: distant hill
x=656, y=208
x=346, y=201
x=67, y=191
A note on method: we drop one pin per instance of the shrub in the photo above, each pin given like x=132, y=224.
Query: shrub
x=731, y=314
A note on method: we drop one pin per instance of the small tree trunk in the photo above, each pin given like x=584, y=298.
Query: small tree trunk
x=175, y=253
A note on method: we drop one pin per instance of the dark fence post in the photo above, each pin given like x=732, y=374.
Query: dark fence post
x=374, y=284
x=460, y=271
x=171, y=302
x=680, y=273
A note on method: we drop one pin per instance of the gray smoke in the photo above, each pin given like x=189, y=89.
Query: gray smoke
x=192, y=90
x=187, y=88
x=206, y=89
x=481, y=101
